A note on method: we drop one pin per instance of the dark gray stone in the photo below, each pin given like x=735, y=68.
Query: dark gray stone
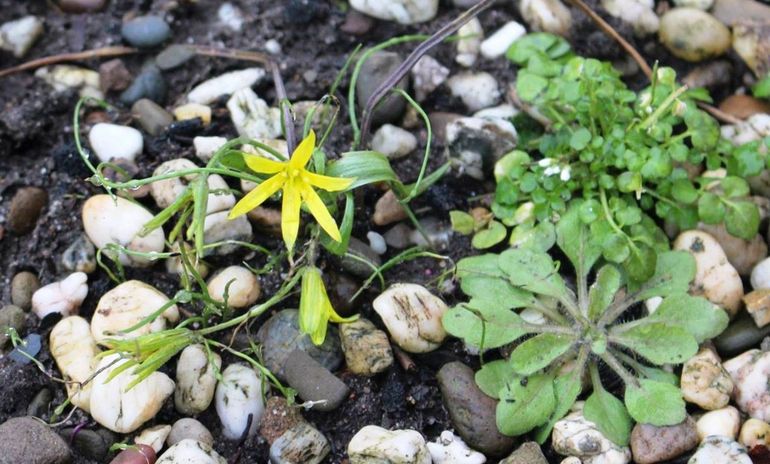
x=145, y=31
x=356, y=266
x=741, y=335
x=40, y=404
x=29, y=441
x=314, y=382
x=151, y=116
x=174, y=56
x=149, y=84
x=472, y=412
x=280, y=336
x=91, y=444
x=374, y=71
x=28, y=348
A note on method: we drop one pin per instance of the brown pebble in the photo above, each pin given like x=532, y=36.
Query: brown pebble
x=137, y=454
x=758, y=305
x=23, y=285
x=651, y=444
x=743, y=106
x=709, y=75
x=95, y=117
x=278, y=418
x=356, y=23
x=25, y=209
x=388, y=210
x=266, y=220
x=113, y=75
x=81, y=6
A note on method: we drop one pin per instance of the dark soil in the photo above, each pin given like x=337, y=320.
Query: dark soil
x=36, y=148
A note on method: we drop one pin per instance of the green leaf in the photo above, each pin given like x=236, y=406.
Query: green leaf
x=574, y=238
x=603, y=291
x=674, y=270
x=658, y=342
x=492, y=376
x=525, y=403
x=489, y=237
x=346, y=227
x=580, y=138
x=655, y=403
x=735, y=187
x=539, y=238
x=698, y=316
x=566, y=388
x=482, y=279
x=610, y=416
x=462, y=222
x=529, y=85
x=762, y=88
x=512, y=166
x=538, y=352
x=684, y=192
x=616, y=248
x=657, y=374
x=629, y=182
x=742, y=219
x=366, y=167
x=532, y=271
x=640, y=264
x=483, y=325
x=710, y=209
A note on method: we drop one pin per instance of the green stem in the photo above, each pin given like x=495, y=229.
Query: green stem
x=653, y=118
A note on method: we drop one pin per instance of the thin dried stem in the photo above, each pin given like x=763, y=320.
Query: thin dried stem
x=104, y=52
x=438, y=37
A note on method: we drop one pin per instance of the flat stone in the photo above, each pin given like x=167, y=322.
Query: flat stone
x=174, y=56
x=472, y=412
x=374, y=71
x=149, y=84
x=740, y=335
x=367, y=349
x=29, y=441
x=302, y=443
x=528, y=453
x=314, y=382
x=145, y=31
x=651, y=444
x=152, y=117
x=23, y=285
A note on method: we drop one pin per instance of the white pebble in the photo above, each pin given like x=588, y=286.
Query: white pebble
x=476, y=90
x=114, y=142
x=225, y=84
x=63, y=77
x=252, y=117
x=720, y=450
x=412, y=315
x=471, y=35
x=373, y=444
x=377, y=242
x=196, y=379
x=231, y=16
x=238, y=395
x=243, y=290
x=754, y=432
x=205, y=147
x=64, y=296
x=498, y=43
x=451, y=449
x=273, y=47
x=547, y=16
x=393, y=141
x=192, y=111
x=154, y=437
x=75, y=350
x=402, y=11
x=119, y=409
x=760, y=275
x=19, y=35
x=189, y=451
x=427, y=75
x=725, y=422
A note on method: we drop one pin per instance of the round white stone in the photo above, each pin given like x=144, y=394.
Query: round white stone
x=114, y=142
x=74, y=350
x=64, y=296
x=238, y=395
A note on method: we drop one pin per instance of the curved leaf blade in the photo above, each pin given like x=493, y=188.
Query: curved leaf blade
x=525, y=403
x=538, y=352
x=655, y=403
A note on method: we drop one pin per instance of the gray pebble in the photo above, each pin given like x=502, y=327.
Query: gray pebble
x=27, y=440
x=374, y=71
x=23, y=285
x=80, y=256
x=174, y=56
x=145, y=31
x=314, y=382
x=11, y=316
x=150, y=84
x=356, y=266
x=280, y=336
x=151, y=116
x=29, y=348
x=188, y=427
x=91, y=444
x=528, y=453
x=739, y=336
x=472, y=412
x=39, y=405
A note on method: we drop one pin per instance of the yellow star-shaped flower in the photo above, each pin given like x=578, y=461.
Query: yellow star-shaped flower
x=297, y=184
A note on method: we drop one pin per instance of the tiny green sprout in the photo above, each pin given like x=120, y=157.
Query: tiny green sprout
x=585, y=327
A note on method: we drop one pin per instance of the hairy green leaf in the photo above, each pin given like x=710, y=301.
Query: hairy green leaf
x=603, y=291
x=698, y=316
x=481, y=278
x=742, y=219
x=674, y=270
x=532, y=271
x=525, y=403
x=659, y=342
x=574, y=238
x=566, y=388
x=492, y=377
x=610, y=416
x=489, y=237
x=539, y=351
x=483, y=325
x=655, y=403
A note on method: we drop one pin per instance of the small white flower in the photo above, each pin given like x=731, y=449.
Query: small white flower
x=565, y=174
x=545, y=162
x=551, y=170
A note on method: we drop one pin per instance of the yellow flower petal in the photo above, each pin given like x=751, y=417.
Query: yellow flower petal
x=263, y=165
x=257, y=196
x=320, y=213
x=303, y=152
x=330, y=184
x=334, y=317
x=292, y=202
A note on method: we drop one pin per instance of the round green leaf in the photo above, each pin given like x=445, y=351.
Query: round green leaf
x=580, y=138
x=683, y=191
x=710, y=209
x=489, y=237
x=656, y=403
x=492, y=376
x=742, y=219
x=735, y=186
x=462, y=222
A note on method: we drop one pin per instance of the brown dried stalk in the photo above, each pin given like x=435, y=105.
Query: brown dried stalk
x=64, y=57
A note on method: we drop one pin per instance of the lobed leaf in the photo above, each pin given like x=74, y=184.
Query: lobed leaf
x=674, y=270
x=481, y=278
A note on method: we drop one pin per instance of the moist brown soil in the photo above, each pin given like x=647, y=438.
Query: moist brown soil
x=36, y=148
